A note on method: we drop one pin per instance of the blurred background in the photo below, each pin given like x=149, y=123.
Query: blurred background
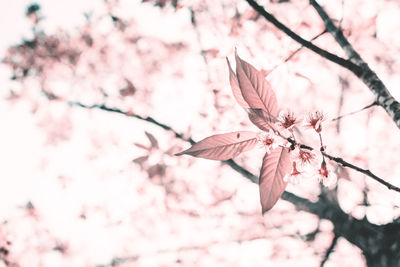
x=88, y=176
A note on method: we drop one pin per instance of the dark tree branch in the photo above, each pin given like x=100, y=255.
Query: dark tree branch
x=368, y=76
x=323, y=53
x=355, y=64
x=337, y=34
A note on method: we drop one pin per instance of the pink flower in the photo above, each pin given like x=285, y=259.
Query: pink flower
x=305, y=156
x=314, y=120
x=268, y=140
x=296, y=174
x=286, y=120
x=326, y=176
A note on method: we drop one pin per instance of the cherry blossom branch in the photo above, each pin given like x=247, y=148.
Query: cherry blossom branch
x=349, y=165
x=230, y=162
x=359, y=232
x=355, y=63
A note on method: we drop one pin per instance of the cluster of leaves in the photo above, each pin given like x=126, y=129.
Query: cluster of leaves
x=284, y=156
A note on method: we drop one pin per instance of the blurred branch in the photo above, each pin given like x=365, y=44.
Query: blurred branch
x=296, y=51
x=375, y=103
x=355, y=63
x=121, y=260
x=199, y=40
x=119, y=111
x=330, y=250
x=344, y=85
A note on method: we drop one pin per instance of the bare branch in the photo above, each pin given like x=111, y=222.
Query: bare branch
x=296, y=51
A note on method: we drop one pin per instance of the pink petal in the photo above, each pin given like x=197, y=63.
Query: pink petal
x=223, y=146
x=152, y=139
x=256, y=91
x=274, y=168
x=235, y=87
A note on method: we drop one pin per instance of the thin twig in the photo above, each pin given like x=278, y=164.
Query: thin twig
x=375, y=103
x=361, y=170
x=296, y=51
x=330, y=250
x=148, y=119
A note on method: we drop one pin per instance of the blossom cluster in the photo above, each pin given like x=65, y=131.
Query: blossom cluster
x=304, y=162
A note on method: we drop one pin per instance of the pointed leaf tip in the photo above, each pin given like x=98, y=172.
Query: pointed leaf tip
x=255, y=90
x=237, y=94
x=222, y=146
x=275, y=166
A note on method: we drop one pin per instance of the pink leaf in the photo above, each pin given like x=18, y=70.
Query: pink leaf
x=235, y=87
x=142, y=146
x=223, y=146
x=261, y=119
x=256, y=91
x=274, y=167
